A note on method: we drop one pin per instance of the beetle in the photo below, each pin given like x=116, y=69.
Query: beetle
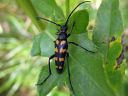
x=61, y=47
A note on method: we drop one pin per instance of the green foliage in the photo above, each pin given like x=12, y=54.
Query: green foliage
x=80, y=25
x=92, y=74
x=40, y=47
x=49, y=6
x=124, y=6
x=81, y=71
x=30, y=11
x=87, y=71
x=114, y=76
x=107, y=27
x=96, y=81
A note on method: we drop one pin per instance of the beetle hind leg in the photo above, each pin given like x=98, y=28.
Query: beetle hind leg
x=69, y=75
x=41, y=83
x=73, y=43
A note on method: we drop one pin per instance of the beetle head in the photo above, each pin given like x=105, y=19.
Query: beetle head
x=64, y=28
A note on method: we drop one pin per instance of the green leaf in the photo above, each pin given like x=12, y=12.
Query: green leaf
x=36, y=46
x=88, y=76
x=50, y=83
x=124, y=7
x=86, y=73
x=115, y=76
x=48, y=8
x=31, y=12
x=88, y=67
x=88, y=44
x=109, y=24
x=42, y=45
x=54, y=80
x=81, y=19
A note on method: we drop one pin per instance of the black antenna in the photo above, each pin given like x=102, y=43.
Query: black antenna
x=48, y=21
x=73, y=11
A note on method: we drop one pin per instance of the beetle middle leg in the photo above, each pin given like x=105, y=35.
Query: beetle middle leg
x=51, y=57
x=69, y=75
x=73, y=43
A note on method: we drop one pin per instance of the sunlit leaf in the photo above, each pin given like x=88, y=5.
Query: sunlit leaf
x=86, y=74
x=108, y=24
x=42, y=45
x=81, y=19
x=48, y=8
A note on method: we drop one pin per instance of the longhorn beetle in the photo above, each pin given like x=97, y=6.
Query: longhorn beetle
x=61, y=47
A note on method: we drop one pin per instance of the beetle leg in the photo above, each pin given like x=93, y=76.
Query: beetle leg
x=51, y=57
x=69, y=76
x=80, y=46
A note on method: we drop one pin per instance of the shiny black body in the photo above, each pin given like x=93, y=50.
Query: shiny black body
x=61, y=47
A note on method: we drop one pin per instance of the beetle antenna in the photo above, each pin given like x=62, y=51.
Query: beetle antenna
x=48, y=20
x=74, y=10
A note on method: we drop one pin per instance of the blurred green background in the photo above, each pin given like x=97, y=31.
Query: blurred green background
x=18, y=70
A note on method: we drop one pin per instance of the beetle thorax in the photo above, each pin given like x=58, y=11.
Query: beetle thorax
x=62, y=36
